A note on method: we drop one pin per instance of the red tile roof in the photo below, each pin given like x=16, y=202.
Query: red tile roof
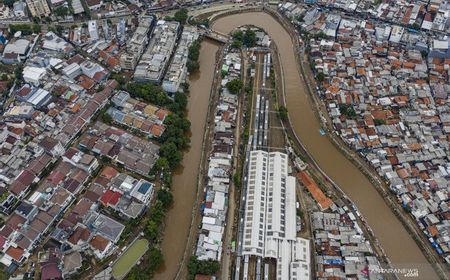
x=15, y=253
x=99, y=243
x=110, y=197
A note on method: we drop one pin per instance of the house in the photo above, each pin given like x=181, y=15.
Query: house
x=52, y=146
x=50, y=271
x=100, y=246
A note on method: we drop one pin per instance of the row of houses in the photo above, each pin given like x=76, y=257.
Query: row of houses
x=145, y=118
x=220, y=162
x=114, y=144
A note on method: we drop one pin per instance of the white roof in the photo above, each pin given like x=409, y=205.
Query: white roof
x=33, y=73
x=38, y=96
x=19, y=46
x=440, y=44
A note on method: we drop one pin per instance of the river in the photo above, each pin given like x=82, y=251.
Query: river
x=397, y=243
x=184, y=182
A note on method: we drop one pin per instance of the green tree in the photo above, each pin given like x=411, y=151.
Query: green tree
x=320, y=77
x=379, y=121
x=283, y=113
x=249, y=39
x=236, y=44
x=106, y=118
x=157, y=213
x=192, y=66
x=36, y=28
x=119, y=78
x=172, y=153
x=246, y=38
x=347, y=110
x=237, y=179
x=156, y=259
x=165, y=197
x=234, y=86
x=152, y=231
x=9, y=3
x=206, y=267
x=24, y=28
x=181, y=16
x=18, y=72
x=161, y=164
x=3, y=275
x=59, y=29
x=61, y=11
x=193, y=55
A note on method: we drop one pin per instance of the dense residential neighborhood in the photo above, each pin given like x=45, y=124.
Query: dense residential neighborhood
x=386, y=90
x=235, y=139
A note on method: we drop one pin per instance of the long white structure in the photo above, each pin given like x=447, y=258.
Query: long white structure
x=270, y=216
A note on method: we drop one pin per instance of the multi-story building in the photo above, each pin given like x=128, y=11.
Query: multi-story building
x=38, y=8
x=135, y=47
x=155, y=60
x=270, y=217
x=177, y=72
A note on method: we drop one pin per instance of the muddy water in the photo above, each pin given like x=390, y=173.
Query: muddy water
x=398, y=245
x=185, y=179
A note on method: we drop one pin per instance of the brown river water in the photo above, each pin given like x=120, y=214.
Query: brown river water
x=397, y=243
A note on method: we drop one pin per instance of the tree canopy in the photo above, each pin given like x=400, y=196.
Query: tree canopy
x=61, y=11
x=206, y=267
x=283, y=112
x=234, y=86
x=247, y=38
x=347, y=110
x=181, y=16
x=193, y=55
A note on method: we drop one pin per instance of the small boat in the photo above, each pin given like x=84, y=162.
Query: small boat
x=322, y=132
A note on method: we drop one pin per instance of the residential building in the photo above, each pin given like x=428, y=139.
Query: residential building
x=136, y=45
x=155, y=60
x=177, y=72
x=38, y=8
